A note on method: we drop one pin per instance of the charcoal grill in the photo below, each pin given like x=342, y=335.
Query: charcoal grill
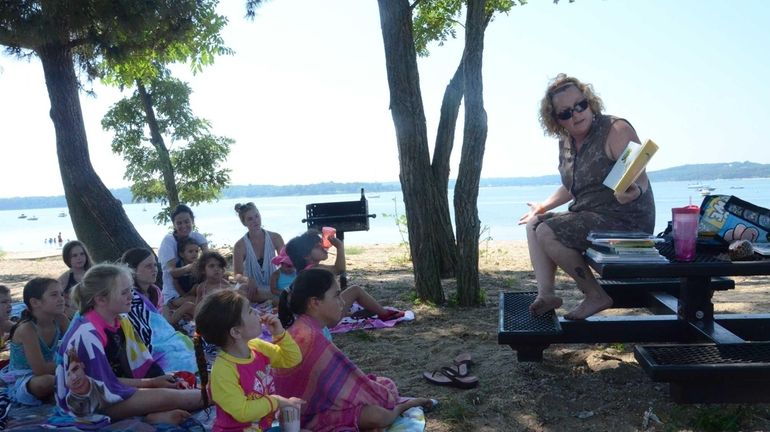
x=343, y=216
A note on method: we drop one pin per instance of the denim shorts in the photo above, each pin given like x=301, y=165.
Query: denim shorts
x=20, y=393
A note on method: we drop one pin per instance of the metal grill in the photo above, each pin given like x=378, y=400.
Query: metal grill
x=745, y=353
x=516, y=317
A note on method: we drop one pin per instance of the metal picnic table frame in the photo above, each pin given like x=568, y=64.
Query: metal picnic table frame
x=705, y=357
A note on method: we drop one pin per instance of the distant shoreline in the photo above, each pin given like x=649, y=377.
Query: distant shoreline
x=688, y=173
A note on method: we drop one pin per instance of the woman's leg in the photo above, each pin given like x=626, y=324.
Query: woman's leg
x=41, y=386
x=357, y=294
x=154, y=400
x=377, y=417
x=545, y=272
x=573, y=263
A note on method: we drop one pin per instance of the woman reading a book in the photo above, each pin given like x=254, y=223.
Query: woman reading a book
x=589, y=145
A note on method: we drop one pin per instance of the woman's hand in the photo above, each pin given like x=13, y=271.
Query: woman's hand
x=273, y=324
x=633, y=192
x=534, y=210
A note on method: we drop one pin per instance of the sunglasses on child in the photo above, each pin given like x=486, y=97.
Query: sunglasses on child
x=577, y=108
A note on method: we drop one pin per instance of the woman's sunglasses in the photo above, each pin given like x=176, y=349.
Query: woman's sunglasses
x=578, y=108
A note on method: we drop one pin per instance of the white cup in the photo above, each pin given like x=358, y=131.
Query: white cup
x=289, y=419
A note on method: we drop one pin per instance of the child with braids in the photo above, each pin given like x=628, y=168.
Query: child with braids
x=242, y=386
x=34, y=341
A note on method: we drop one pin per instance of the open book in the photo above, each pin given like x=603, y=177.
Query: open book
x=629, y=165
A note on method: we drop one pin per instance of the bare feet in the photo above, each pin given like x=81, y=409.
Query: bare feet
x=544, y=304
x=589, y=306
x=426, y=404
x=174, y=417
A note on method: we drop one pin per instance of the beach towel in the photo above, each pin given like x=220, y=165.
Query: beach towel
x=82, y=359
x=251, y=266
x=171, y=350
x=348, y=324
x=334, y=388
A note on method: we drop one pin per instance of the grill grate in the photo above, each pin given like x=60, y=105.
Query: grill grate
x=517, y=318
x=745, y=353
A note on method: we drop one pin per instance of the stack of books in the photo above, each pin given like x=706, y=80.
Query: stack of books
x=624, y=247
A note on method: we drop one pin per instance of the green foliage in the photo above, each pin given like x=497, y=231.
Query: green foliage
x=195, y=153
x=437, y=20
x=403, y=231
x=454, y=298
x=199, y=47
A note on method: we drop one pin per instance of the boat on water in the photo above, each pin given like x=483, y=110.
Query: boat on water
x=62, y=214
x=22, y=216
x=736, y=187
x=696, y=186
x=706, y=190
x=373, y=196
x=32, y=218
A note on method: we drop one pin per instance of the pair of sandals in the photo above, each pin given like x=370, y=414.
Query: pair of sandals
x=457, y=375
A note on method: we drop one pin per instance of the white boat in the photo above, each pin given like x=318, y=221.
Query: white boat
x=696, y=186
x=22, y=216
x=706, y=190
x=62, y=214
x=32, y=218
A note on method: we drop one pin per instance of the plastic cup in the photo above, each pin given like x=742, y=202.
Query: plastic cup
x=289, y=419
x=685, y=221
x=327, y=232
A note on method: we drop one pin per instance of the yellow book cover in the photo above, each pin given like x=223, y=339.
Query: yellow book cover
x=630, y=165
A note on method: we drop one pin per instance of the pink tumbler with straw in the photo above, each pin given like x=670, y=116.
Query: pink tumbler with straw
x=685, y=221
x=327, y=232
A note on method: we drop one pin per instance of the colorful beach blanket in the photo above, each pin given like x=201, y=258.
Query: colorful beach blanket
x=349, y=324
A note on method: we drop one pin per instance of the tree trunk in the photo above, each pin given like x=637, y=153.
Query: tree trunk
x=474, y=141
x=445, y=137
x=98, y=218
x=417, y=183
x=167, y=169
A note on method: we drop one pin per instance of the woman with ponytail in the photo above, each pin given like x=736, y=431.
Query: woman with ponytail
x=103, y=367
x=34, y=341
x=352, y=400
x=242, y=386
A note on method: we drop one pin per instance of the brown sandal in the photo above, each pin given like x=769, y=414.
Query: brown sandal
x=450, y=377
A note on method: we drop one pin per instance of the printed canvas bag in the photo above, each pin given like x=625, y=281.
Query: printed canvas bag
x=725, y=218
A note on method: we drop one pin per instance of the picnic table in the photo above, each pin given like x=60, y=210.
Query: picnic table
x=705, y=357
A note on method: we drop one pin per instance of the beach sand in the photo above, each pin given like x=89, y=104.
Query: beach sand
x=577, y=387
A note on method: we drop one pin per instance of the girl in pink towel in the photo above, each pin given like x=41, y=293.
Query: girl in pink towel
x=337, y=394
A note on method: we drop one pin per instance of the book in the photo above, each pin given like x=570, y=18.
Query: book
x=600, y=257
x=630, y=165
x=621, y=250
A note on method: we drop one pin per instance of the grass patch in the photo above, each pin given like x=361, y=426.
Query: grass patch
x=711, y=418
x=363, y=335
x=354, y=250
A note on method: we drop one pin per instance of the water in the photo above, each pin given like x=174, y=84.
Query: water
x=499, y=211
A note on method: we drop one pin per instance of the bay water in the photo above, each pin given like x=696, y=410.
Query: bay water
x=499, y=210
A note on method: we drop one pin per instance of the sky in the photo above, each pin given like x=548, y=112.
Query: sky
x=305, y=95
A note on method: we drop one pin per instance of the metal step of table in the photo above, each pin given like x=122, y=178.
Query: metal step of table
x=523, y=331
x=710, y=373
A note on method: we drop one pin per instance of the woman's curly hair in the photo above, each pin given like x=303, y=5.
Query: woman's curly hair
x=547, y=115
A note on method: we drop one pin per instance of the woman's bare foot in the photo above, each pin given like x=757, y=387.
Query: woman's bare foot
x=174, y=417
x=425, y=403
x=544, y=304
x=589, y=306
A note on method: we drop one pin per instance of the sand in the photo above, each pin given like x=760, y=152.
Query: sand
x=577, y=387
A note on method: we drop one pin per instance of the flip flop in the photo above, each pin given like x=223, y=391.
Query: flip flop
x=463, y=364
x=449, y=377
